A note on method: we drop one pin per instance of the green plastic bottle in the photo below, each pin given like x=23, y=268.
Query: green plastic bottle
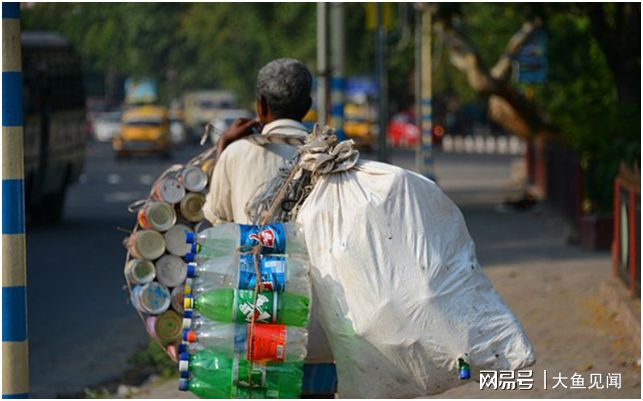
x=215, y=377
x=232, y=305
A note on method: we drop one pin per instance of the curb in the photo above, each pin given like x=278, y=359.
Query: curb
x=627, y=309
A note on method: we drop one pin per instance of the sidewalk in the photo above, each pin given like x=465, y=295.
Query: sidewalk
x=552, y=287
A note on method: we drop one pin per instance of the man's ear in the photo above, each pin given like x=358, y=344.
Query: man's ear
x=262, y=108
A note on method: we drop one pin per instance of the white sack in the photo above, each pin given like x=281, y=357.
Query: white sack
x=400, y=293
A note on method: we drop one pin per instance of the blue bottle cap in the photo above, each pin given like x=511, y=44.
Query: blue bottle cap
x=184, y=384
x=182, y=348
x=194, y=248
x=185, y=334
x=187, y=314
x=185, y=375
x=191, y=270
x=184, y=356
x=189, y=257
x=189, y=237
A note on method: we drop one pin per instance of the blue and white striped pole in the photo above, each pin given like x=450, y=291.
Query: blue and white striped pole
x=15, y=362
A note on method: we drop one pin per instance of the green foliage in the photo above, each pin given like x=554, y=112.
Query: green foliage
x=154, y=357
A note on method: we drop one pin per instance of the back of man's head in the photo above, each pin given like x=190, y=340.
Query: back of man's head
x=285, y=85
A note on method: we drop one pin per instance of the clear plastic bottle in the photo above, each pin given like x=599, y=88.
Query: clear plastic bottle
x=278, y=273
x=222, y=241
x=270, y=342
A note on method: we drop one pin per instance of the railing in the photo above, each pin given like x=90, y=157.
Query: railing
x=626, y=246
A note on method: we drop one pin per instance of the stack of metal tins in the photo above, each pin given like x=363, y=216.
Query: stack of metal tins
x=155, y=270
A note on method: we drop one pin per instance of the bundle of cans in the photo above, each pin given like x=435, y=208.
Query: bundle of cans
x=154, y=269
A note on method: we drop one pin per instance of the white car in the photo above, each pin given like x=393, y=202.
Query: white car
x=107, y=126
x=224, y=119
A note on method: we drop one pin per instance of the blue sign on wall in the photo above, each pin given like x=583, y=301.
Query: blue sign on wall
x=532, y=59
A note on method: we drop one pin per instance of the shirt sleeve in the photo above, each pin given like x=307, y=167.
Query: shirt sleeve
x=218, y=205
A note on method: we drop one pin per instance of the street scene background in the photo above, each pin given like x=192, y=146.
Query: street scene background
x=536, y=137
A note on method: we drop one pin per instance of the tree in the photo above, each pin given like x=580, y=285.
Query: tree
x=591, y=100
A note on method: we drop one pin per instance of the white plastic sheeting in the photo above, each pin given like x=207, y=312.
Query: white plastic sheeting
x=400, y=293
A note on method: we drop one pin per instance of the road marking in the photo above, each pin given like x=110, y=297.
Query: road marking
x=123, y=196
x=114, y=179
x=146, y=179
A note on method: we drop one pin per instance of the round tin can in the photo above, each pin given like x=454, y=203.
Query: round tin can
x=175, y=240
x=171, y=270
x=194, y=179
x=177, y=298
x=168, y=327
x=159, y=216
x=168, y=189
x=146, y=244
x=139, y=271
x=153, y=298
x=192, y=206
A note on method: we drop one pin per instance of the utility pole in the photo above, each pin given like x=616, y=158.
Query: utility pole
x=382, y=84
x=15, y=361
x=424, y=89
x=322, y=63
x=338, y=66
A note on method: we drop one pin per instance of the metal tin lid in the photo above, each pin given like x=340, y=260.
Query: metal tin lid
x=171, y=271
x=194, y=179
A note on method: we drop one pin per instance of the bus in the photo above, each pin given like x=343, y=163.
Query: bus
x=54, y=123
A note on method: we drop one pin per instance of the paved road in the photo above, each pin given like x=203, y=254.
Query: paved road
x=81, y=327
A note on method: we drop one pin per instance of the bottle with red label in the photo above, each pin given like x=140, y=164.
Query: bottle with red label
x=269, y=342
x=222, y=241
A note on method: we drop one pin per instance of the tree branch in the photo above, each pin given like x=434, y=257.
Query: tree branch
x=515, y=113
x=502, y=69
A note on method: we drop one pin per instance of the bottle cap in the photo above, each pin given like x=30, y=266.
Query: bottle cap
x=194, y=248
x=189, y=237
x=188, y=302
x=187, y=323
x=191, y=270
x=187, y=314
x=184, y=356
x=190, y=336
x=184, y=385
x=189, y=257
x=182, y=348
x=185, y=375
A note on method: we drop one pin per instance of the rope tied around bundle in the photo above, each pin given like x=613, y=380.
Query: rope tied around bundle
x=318, y=154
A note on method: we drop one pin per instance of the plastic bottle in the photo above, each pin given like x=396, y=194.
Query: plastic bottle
x=230, y=305
x=221, y=241
x=203, y=389
x=270, y=342
x=278, y=273
x=276, y=379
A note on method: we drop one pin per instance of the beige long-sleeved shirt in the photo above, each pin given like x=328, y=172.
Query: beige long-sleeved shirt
x=242, y=168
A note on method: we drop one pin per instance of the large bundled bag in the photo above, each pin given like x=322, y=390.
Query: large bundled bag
x=399, y=290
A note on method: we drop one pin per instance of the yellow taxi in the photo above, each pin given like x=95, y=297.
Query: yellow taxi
x=144, y=129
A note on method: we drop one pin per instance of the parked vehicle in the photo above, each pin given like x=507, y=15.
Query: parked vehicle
x=403, y=132
x=144, y=129
x=107, y=126
x=54, y=123
x=225, y=119
x=200, y=107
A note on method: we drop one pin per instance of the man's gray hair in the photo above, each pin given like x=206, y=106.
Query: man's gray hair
x=285, y=84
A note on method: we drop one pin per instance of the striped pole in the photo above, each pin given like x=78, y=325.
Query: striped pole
x=425, y=153
x=15, y=367
x=338, y=66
